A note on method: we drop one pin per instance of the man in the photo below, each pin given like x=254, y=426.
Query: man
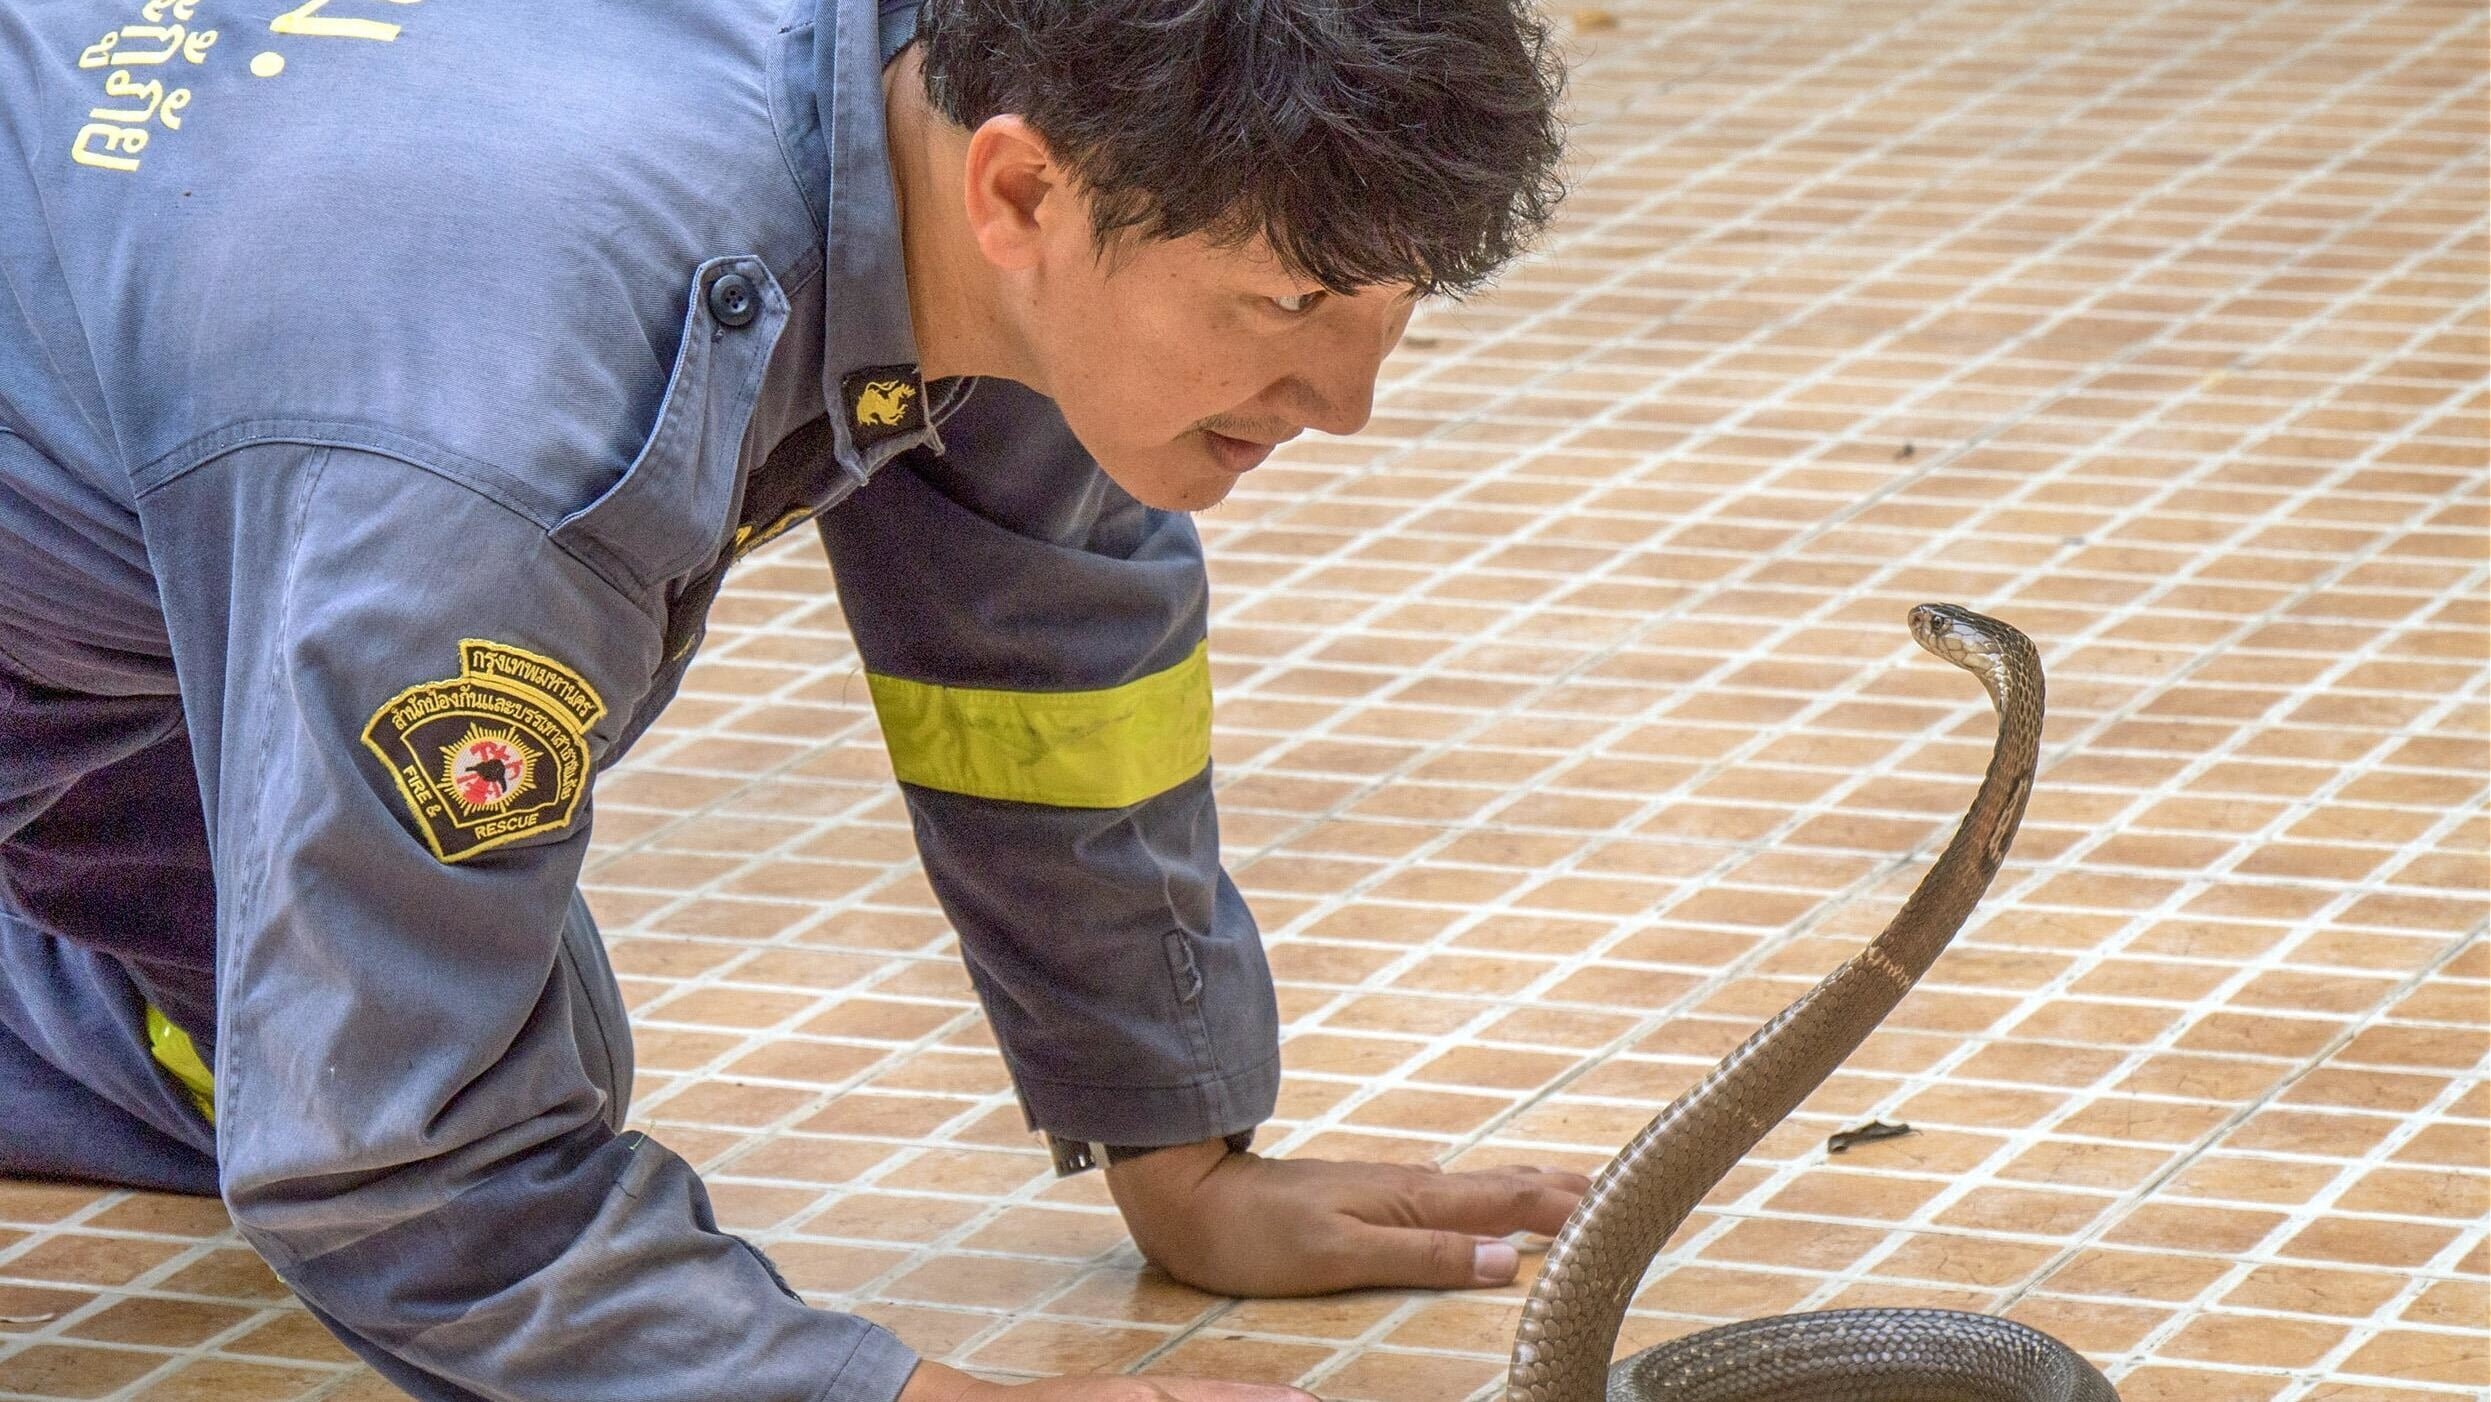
x=385, y=390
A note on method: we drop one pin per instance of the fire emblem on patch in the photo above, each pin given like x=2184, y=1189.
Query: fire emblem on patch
x=497, y=754
x=488, y=769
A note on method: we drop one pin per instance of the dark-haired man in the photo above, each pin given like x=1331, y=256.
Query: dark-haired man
x=385, y=390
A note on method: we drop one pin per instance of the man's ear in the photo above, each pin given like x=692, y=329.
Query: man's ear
x=1008, y=180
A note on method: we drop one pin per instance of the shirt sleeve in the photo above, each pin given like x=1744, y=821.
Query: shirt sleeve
x=399, y=689
x=1034, y=642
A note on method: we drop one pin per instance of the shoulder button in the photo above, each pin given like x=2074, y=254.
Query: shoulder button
x=733, y=300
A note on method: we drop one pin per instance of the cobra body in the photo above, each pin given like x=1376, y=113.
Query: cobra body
x=1570, y=1324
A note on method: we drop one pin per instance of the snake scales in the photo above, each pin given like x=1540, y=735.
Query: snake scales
x=1570, y=1324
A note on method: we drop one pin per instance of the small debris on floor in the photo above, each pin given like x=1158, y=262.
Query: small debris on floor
x=1868, y=1133
x=1906, y=454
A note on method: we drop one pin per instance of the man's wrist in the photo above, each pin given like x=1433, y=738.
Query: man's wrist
x=1080, y=1156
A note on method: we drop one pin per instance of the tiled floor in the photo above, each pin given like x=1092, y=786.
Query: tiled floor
x=1569, y=727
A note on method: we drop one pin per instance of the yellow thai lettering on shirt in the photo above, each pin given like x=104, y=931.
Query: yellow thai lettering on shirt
x=306, y=19
x=135, y=106
x=117, y=131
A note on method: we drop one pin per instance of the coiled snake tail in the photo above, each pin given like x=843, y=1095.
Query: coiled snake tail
x=1570, y=1323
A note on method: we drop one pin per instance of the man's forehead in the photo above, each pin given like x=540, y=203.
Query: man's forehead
x=1254, y=258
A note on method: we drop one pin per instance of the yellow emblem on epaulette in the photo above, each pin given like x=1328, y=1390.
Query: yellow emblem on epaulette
x=884, y=403
x=748, y=538
x=495, y=754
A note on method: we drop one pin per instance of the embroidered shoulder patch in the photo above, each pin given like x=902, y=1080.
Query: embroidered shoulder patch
x=497, y=753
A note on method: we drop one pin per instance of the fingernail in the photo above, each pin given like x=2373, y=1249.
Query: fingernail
x=1495, y=1261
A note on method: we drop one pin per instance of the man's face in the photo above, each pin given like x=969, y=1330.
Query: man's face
x=1180, y=364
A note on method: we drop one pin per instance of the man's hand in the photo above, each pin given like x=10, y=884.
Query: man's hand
x=932, y=1382
x=1239, y=1224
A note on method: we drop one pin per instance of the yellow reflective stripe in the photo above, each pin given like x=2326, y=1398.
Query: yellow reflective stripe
x=175, y=1052
x=1070, y=749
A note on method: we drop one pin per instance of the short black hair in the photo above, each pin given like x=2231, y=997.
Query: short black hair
x=1370, y=142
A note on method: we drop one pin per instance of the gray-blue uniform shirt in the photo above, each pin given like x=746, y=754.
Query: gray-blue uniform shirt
x=385, y=389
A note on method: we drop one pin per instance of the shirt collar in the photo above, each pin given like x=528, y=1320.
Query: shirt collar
x=878, y=404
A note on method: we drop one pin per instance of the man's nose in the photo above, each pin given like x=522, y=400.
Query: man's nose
x=1339, y=389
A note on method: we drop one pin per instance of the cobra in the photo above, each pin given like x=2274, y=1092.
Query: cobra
x=1570, y=1323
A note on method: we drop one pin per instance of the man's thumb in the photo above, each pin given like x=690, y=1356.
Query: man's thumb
x=1196, y=1390
x=1409, y=1256
x=1493, y=1261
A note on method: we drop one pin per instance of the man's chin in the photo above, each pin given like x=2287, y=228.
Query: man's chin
x=1170, y=486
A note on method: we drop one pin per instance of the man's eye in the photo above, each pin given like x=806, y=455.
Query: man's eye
x=1299, y=303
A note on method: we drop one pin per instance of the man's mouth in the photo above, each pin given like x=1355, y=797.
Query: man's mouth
x=1241, y=455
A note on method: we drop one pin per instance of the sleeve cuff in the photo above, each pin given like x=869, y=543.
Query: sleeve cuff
x=1080, y=1156
x=1150, y=1116
x=874, y=1371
